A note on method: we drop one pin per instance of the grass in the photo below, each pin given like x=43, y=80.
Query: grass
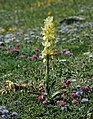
x=27, y=17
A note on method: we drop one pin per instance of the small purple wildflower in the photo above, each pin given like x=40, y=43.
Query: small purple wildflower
x=79, y=93
x=84, y=101
x=74, y=90
x=5, y=112
x=67, y=81
x=78, y=86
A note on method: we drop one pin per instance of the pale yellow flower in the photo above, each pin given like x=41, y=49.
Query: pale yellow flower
x=49, y=13
x=3, y=30
x=48, y=33
x=10, y=29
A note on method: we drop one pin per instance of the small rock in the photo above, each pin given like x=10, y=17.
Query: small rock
x=70, y=20
x=1, y=43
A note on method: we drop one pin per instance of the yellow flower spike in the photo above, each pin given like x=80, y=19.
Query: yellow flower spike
x=48, y=33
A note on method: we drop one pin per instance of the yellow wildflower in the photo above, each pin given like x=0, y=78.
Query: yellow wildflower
x=3, y=30
x=48, y=33
x=10, y=29
x=49, y=13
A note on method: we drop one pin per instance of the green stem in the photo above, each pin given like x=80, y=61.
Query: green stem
x=47, y=74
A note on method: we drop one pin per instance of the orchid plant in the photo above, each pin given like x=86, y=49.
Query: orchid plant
x=48, y=33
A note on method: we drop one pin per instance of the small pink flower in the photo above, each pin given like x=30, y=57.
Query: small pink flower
x=55, y=52
x=14, y=50
x=73, y=95
x=40, y=55
x=67, y=52
x=18, y=45
x=67, y=81
x=85, y=88
x=63, y=51
x=41, y=98
x=37, y=49
x=41, y=87
x=34, y=57
x=29, y=58
x=46, y=101
x=22, y=56
x=74, y=101
x=62, y=103
x=44, y=93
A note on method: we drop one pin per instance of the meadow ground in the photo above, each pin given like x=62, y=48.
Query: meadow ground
x=22, y=71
